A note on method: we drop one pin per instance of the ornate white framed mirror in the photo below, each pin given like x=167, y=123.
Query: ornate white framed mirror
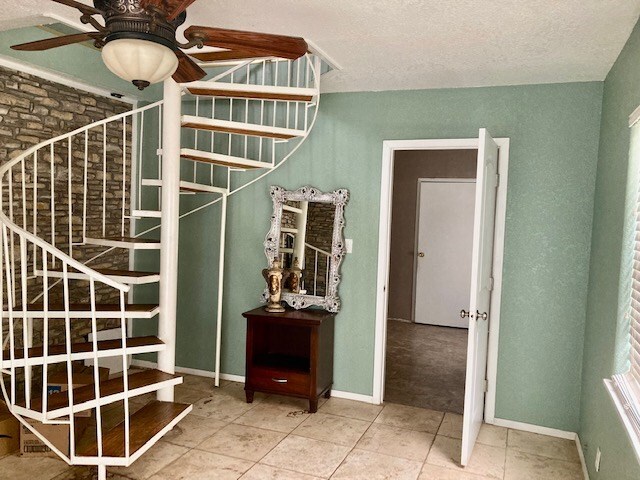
x=307, y=234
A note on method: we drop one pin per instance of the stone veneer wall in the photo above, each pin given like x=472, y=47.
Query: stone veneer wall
x=33, y=110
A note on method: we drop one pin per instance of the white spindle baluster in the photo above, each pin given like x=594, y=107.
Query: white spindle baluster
x=68, y=339
x=96, y=368
x=125, y=376
x=104, y=180
x=26, y=321
x=52, y=200
x=45, y=333
x=10, y=305
x=140, y=152
x=70, y=195
x=195, y=164
x=86, y=171
x=35, y=207
x=124, y=174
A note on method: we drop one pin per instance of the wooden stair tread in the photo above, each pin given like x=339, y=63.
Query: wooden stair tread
x=222, y=160
x=86, y=307
x=113, y=386
x=83, y=347
x=238, y=128
x=255, y=92
x=111, y=273
x=144, y=424
x=127, y=239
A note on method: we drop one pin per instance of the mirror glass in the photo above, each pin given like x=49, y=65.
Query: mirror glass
x=306, y=237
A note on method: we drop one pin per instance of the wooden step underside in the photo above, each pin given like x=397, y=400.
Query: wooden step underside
x=126, y=242
x=83, y=310
x=252, y=92
x=188, y=187
x=146, y=426
x=83, y=351
x=239, y=128
x=110, y=391
x=124, y=276
x=222, y=160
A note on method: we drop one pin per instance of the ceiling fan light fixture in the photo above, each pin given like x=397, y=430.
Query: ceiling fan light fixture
x=141, y=62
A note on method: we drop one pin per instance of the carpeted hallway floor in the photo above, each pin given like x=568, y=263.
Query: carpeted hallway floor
x=426, y=366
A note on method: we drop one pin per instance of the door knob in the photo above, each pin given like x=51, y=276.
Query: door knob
x=464, y=313
x=421, y=254
x=483, y=316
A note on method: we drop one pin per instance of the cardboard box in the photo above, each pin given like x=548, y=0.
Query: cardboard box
x=82, y=376
x=9, y=431
x=58, y=435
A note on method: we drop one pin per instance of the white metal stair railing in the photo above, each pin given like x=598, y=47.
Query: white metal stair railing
x=48, y=212
x=47, y=219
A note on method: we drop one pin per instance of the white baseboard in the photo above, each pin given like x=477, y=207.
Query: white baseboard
x=585, y=470
x=240, y=378
x=527, y=427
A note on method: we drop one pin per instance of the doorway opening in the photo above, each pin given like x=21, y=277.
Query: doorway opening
x=483, y=308
x=429, y=278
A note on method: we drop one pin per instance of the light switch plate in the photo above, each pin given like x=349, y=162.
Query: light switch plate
x=348, y=243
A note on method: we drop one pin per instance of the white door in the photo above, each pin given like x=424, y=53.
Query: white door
x=481, y=286
x=443, y=248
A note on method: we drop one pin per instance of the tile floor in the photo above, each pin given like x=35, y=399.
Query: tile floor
x=276, y=439
x=426, y=366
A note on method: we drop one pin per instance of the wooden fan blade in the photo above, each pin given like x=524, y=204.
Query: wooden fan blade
x=256, y=44
x=188, y=70
x=172, y=8
x=223, y=55
x=54, y=42
x=86, y=9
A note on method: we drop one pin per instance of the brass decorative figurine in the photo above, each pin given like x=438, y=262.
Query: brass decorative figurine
x=295, y=276
x=273, y=276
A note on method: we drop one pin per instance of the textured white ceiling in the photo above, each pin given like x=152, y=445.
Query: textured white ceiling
x=414, y=44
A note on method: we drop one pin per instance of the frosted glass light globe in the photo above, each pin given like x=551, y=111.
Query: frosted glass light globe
x=139, y=61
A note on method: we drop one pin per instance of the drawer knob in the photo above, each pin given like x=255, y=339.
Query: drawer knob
x=280, y=380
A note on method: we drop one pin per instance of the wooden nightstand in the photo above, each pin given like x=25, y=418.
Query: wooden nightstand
x=290, y=353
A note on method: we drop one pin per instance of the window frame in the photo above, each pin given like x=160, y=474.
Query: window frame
x=624, y=388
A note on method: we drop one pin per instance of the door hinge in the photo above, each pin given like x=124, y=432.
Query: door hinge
x=491, y=284
x=486, y=385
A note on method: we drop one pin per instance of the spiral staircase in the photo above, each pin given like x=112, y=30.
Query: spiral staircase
x=60, y=216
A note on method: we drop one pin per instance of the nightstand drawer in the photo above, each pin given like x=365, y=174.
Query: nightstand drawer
x=279, y=381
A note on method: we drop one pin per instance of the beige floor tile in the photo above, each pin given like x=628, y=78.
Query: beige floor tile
x=525, y=466
x=86, y=473
x=486, y=460
x=196, y=382
x=411, y=418
x=331, y=428
x=192, y=431
x=363, y=465
x=351, y=409
x=240, y=441
x=236, y=389
x=396, y=442
x=292, y=402
x=543, y=445
x=222, y=407
x=265, y=472
x=433, y=472
x=189, y=395
x=15, y=467
x=306, y=455
x=199, y=465
x=158, y=457
x=272, y=417
x=451, y=425
x=492, y=435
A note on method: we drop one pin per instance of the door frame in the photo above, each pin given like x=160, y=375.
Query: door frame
x=389, y=147
x=422, y=180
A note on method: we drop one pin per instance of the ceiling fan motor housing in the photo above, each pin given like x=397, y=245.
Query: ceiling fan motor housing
x=126, y=19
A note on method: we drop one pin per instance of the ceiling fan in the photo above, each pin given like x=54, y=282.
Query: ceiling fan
x=138, y=40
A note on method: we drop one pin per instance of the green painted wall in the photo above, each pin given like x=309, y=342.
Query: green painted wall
x=554, y=131
x=606, y=331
